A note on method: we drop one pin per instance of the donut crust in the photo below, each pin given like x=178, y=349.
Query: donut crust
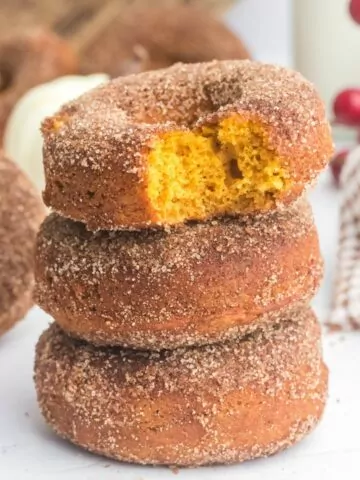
x=223, y=403
x=21, y=212
x=101, y=152
x=155, y=289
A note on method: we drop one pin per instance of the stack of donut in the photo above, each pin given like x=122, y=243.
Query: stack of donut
x=178, y=265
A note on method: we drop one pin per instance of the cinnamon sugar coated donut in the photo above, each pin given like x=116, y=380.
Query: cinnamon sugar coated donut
x=154, y=289
x=28, y=59
x=185, y=143
x=222, y=403
x=21, y=212
x=146, y=38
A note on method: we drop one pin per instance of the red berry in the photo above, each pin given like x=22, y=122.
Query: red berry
x=354, y=9
x=337, y=163
x=346, y=107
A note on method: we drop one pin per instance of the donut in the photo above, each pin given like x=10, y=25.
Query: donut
x=156, y=288
x=224, y=403
x=190, y=142
x=139, y=39
x=21, y=212
x=28, y=59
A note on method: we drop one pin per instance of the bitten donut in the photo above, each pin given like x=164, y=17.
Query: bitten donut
x=215, y=404
x=146, y=38
x=21, y=212
x=185, y=143
x=28, y=59
x=202, y=283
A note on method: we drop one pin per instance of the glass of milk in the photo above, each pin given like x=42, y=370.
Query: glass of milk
x=327, y=47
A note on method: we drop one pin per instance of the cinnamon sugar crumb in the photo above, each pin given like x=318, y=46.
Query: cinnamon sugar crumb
x=131, y=400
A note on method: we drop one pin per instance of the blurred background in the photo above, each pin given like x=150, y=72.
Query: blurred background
x=52, y=51
x=118, y=37
x=66, y=41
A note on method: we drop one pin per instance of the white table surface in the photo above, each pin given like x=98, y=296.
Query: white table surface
x=29, y=450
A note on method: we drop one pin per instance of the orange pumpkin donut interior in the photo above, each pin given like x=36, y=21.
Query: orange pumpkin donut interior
x=220, y=168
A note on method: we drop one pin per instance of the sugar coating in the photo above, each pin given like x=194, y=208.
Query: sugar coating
x=243, y=398
x=178, y=96
x=202, y=283
x=95, y=153
x=21, y=212
x=214, y=404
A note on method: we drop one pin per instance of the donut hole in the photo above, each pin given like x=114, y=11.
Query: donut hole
x=224, y=168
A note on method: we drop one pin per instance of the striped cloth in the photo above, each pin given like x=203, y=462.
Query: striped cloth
x=346, y=299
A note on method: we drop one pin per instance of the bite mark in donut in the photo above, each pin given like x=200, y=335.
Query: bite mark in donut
x=190, y=142
x=229, y=166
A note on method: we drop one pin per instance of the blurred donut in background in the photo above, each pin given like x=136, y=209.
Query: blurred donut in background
x=136, y=39
x=28, y=59
x=139, y=34
x=108, y=38
x=21, y=212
